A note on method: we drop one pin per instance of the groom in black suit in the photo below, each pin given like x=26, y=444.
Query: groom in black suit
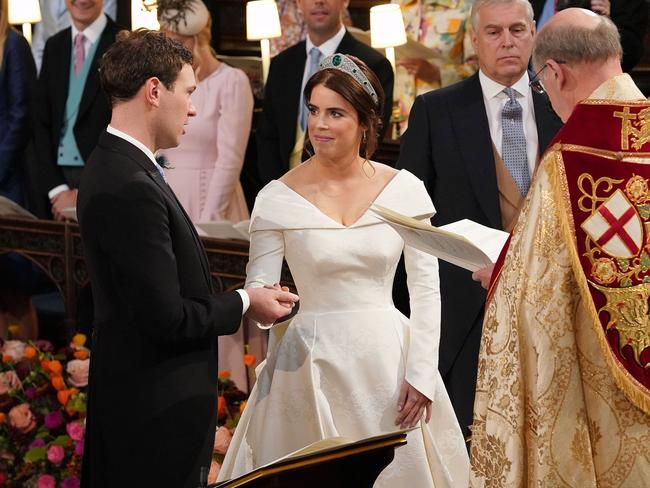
x=277, y=145
x=153, y=374
x=454, y=144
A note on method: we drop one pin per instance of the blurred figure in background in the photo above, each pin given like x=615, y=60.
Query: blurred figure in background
x=444, y=27
x=208, y=162
x=56, y=18
x=17, y=76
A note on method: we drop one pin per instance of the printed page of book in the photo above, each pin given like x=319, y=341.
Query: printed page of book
x=9, y=208
x=223, y=229
x=465, y=243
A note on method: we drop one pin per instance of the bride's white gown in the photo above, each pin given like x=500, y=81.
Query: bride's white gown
x=336, y=368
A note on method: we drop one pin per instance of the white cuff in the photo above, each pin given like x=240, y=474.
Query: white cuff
x=56, y=190
x=246, y=301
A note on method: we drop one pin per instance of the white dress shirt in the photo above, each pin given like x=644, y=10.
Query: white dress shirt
x=246, y=301
x=495, y=99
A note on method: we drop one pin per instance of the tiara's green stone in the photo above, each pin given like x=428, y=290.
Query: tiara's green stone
x=336, y=60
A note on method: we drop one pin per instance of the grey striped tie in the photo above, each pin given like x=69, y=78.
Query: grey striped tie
x=513, y=142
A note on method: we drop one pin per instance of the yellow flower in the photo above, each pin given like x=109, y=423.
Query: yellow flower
x=242, y=406
x=604, y=271
x=79, y=340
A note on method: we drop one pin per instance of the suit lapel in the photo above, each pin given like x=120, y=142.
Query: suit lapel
x=470, y=124
x=62, y=78
x=113, y=142
x=291, y=84
x=92, y=82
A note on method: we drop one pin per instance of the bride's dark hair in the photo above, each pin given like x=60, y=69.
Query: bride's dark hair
x=368, y=112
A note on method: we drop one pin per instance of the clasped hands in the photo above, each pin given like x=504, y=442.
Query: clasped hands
x=61, y=201
x=270, y=303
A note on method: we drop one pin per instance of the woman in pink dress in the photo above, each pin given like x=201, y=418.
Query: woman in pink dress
x=205, y=167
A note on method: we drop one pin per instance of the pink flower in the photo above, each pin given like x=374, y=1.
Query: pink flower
x=72, y=482
x=78, y=372
x=46, y=481
x=15, y=349
x=222, y=440
x=55, y=454
x=21, y=418
x=75, y=431
x=215, y=467
x=79, y=448
x=9, y=381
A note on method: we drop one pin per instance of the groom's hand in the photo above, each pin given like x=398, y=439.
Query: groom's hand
x=269, y=304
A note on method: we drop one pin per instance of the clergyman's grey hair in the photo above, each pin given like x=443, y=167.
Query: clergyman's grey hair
x=577, y=44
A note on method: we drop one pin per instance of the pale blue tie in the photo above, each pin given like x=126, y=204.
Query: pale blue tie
x=314, y=60
x=513, y=142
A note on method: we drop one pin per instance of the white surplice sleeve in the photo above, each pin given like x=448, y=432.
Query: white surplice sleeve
x=424, y=291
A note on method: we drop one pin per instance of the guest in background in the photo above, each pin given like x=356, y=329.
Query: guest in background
x=17, y=76
x=444, y=27
x=56, y=18
x=71, y=111
x=207, y=164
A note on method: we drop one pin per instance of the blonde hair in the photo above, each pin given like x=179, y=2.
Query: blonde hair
x=203, y=38
x=4, y=26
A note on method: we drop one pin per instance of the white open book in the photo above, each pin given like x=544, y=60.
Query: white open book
x=223, y=229
x=464, y=243
x=70, y=213
x=9, y=208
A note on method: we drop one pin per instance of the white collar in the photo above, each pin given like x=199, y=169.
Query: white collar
x=134, y=141
x=93, y=31
x=328, y=47
x=492, y=89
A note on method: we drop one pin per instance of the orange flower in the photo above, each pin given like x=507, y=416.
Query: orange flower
x=3, y=417
x=55, y=367
x=45, y=364
x=249, y=359
x=30, y=352
x=7, y=357
x=224, y=375
x=57, y=382
x=63, y=396
x=242, y=406
x=221, y=406
x=79, y=340
x=81, y=354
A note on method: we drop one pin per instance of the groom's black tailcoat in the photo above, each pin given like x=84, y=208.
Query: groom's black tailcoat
x=153, y=370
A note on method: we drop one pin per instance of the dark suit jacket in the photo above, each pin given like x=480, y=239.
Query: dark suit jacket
x=51, y=95
x=631, y=18
x=153, y=374
x=276, y=135
x=448, y=146
x=17, y=76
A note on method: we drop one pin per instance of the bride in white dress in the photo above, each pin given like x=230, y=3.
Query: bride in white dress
x=349, y=363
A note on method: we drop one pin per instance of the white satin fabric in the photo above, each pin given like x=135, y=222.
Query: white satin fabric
x=336, y=368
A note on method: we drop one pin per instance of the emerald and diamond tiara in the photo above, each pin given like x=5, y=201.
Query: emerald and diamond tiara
x=345, y=64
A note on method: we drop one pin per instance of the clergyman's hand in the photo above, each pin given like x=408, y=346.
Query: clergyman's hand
x=411, y=405
x=269, y=304
x=484, y=275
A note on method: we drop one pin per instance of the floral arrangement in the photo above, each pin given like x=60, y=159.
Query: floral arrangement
x=42, y=413
x=230, y=405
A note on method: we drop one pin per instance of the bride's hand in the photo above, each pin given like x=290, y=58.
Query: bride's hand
x=276, y=286
x=411, y=405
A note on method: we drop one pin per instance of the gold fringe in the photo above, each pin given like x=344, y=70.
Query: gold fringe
x=637, y=393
